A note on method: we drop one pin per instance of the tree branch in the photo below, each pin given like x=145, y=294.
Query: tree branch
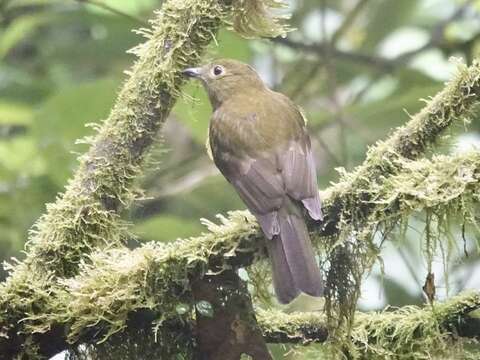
x=321, y=49
x=36, y=305
x=238, y=238
x=119, y=283
x=437, y=39
x=226, y=322
x=417, y=331
x=352, y=199
x=86, y=216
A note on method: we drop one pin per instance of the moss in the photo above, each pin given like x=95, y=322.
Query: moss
x=116, y=283
x=415, y=333
x=85, y=217
x=252, y=16
x=411, y=332
x=77, y=275
x=364, y=203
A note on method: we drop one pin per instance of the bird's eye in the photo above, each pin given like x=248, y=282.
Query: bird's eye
x=217, y=70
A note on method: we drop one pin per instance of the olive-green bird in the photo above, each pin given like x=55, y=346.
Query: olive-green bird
x=260, y=144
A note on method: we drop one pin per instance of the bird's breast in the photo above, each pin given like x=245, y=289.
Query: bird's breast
x=238, y=133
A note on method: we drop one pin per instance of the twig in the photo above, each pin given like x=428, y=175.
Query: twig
x=378, y=63
x=375, y=62
x=348, y=21
x=372, y=332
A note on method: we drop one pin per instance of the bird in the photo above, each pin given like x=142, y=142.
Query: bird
x=259, y=142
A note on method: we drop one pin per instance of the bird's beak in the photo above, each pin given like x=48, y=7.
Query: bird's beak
x=192, y=72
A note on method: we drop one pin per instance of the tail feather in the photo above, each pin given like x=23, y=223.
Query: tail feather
x=283, y=283
x=294, y=266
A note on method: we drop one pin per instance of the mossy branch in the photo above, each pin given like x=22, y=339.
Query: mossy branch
x=351, y=198
x=119, y=284
x=410, y=332
x=86, y=215
x=44, y=299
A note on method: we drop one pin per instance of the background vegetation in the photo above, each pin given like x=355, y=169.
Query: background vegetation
x=352, y=65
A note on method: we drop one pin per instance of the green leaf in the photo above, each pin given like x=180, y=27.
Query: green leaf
x=126, y=6
x=18, y=86
x=19, y=156
x=232, y=46
x=386, y=114
x=194, y=111
x=25, y=3
x=396, y=294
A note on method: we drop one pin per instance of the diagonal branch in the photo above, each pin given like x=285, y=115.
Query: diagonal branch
x=351, y=197
x=86, y=216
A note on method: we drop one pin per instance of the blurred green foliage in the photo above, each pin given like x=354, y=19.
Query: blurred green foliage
x=61, y=63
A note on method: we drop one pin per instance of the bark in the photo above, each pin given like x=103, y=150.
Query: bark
x=226, y=322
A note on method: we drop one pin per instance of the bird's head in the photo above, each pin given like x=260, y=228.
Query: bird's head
x=225, y=78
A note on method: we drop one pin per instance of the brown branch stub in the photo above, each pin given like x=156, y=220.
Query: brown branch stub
x=226, y=325
x=429, y=288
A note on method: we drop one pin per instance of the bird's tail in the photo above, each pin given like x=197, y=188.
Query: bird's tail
x=293, y=261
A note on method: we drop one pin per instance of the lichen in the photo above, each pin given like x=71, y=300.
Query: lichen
x=445, y=188
x=255, y=18
x=415, y=333
x=116, y=283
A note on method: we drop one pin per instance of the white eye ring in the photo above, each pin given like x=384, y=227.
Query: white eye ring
x=217, y=70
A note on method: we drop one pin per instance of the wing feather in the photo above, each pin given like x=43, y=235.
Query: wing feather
x=263, y=179
x=300, y=176
x=262, y=189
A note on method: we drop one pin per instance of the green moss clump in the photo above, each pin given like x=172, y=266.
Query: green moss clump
x=409, y=333
x=374, y=199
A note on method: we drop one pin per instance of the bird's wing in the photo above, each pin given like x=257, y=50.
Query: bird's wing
x=299, y=175
x=259, y=184
x=264, y=182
